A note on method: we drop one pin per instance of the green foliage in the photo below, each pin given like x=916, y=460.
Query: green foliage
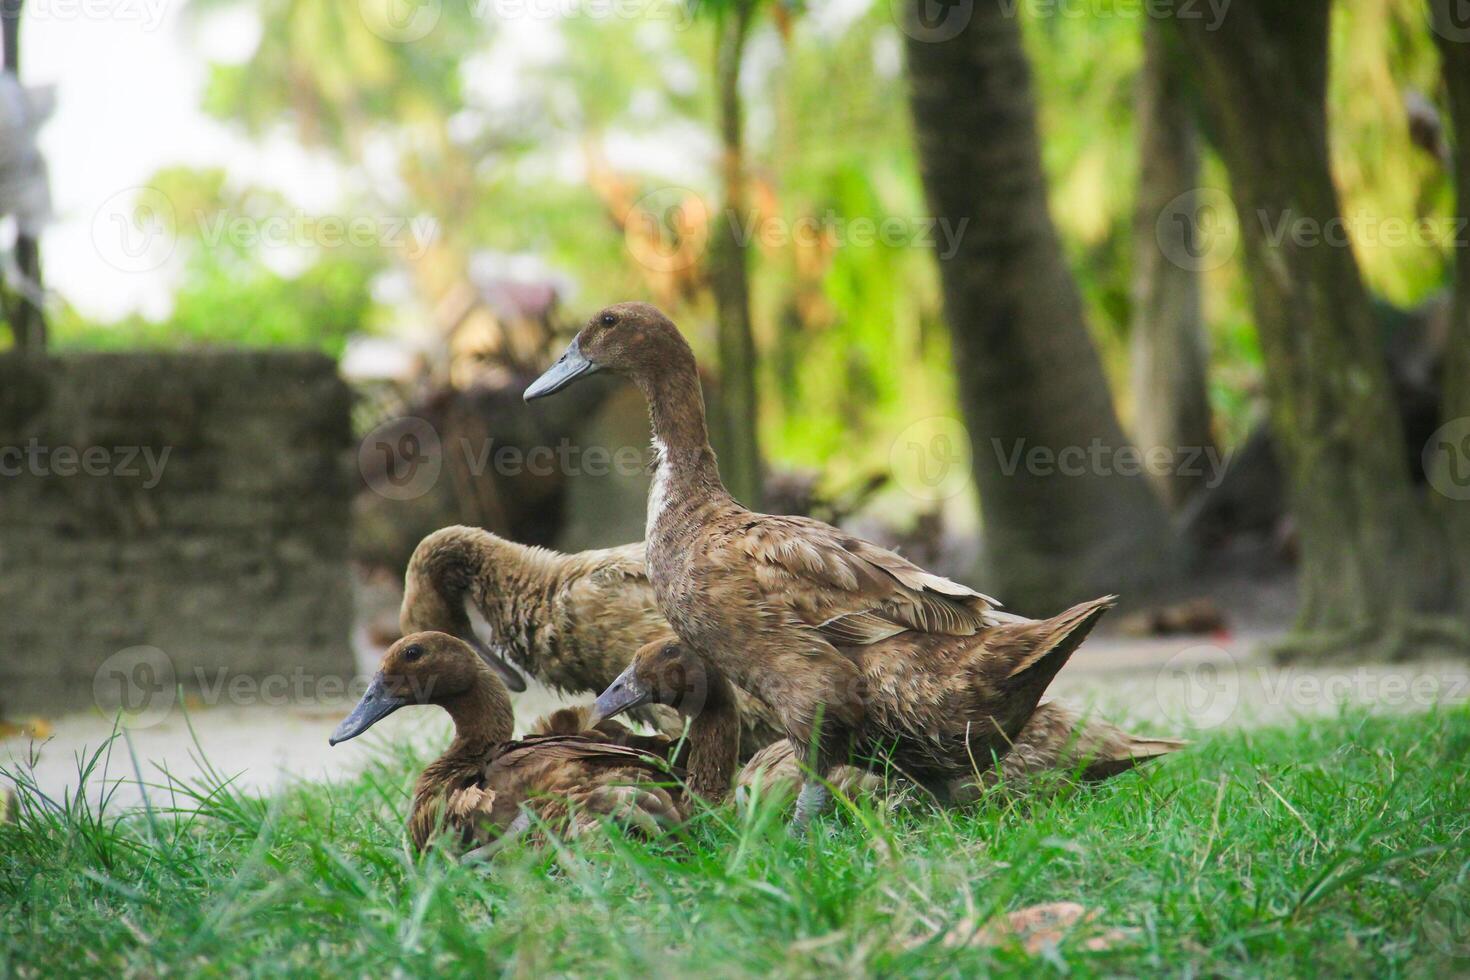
x=851, y=336
x=1336, y=845
x=221, y=306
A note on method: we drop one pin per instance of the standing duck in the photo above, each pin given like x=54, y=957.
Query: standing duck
x=666, y=672
x=861, y=653
x=486, y=784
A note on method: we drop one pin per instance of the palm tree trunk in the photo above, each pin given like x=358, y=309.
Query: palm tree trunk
x=1369, y=571
x=740, y=463
x=1170, y=354
x=1067, y=513
x=1448, y=457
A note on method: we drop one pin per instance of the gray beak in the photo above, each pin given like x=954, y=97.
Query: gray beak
x=624, y=693
x=376, y=704
x=568, y=368
x=509, y=674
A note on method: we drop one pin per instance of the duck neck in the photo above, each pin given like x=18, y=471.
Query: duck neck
x=482, y=712
x=684, y=464
x=714, y=742
x=511, y=584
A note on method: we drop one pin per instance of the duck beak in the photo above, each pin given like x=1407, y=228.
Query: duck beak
x=509, y=674
x=376, y=704
x=568, y=368
x=624, y=693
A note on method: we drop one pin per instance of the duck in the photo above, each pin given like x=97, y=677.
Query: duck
x=488, y=787
x=570, y=621
x=1055, y=738
x=862, y=654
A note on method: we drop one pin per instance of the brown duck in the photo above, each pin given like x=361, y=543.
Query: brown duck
x=665, y=672
x=571, y=620
x=486, y=784
x=861, y=653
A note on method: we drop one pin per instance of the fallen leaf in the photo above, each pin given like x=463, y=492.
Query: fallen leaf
x=34, y=727
x=1033, y=929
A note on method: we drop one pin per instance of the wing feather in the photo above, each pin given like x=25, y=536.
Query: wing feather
x=848, y=591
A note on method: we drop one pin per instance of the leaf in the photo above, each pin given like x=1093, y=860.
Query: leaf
x=1034, y=929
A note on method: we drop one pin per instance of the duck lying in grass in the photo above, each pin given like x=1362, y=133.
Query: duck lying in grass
x=486, y=784
x=668, y=673
x=861, y=654
x=571, y=621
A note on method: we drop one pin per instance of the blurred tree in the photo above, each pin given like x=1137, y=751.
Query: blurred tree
x=1170, y=355
x=729, y=271
x=1371, y=576
x=1452, y=456
x=1067, y=523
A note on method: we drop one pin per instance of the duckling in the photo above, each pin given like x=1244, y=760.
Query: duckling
x=568, y=620
x=668, y=673
x=861, y=653
x=486, y=784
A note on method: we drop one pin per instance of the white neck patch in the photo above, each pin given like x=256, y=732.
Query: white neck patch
x=658, y=494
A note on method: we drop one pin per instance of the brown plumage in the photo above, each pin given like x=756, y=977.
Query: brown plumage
x=860, y=652
x=571, y=621
x=1056, y=739
x=668, y=673
x=487, y=784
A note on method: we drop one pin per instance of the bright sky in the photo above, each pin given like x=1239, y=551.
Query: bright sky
x=130, y=75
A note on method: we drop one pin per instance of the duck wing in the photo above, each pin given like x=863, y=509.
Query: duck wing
x=847, y=590
x=576, y=781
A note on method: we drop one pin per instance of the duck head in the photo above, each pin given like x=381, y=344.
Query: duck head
x=421, y=668
x=663, y=672
x=434, y=601
x=626, y=338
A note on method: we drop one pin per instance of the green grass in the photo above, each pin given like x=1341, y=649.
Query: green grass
x=1336, y=846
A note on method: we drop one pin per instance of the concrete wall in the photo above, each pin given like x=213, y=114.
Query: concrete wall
x=197, y=503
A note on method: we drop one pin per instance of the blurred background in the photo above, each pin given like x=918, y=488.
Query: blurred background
x=1059, y=298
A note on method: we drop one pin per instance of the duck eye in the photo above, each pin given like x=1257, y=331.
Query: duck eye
x=413, y=653
x=609, y=320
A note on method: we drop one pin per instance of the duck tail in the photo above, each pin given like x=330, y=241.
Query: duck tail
x=1122, y=751
x=1044, y=646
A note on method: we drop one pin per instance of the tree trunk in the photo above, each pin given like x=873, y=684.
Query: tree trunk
x=1448, y=455
x=740, y=466
x=1369, y=572
x=23, y=307
x=1170, y=355
x=1068, y=513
